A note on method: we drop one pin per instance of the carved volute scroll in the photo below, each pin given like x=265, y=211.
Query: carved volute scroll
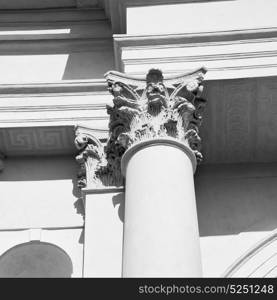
x=151, y=109
x=89, y=158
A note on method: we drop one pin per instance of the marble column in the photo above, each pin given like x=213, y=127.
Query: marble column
x=154, y=136
x=161, y=236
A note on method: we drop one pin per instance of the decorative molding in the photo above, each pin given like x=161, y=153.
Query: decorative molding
x=30, y=141
x=239, y=35
x=258, y=261
x=40, y=141
x=68, y=107
x=227, y=54
x=58, y=87
x=54, y=103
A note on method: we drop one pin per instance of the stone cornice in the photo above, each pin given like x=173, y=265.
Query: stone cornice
x=227, y=54
x=63, y=103
x=195, y=37
x=58, y=87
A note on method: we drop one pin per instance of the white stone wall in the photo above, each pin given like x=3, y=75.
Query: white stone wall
x=236, y=207
x=236, y=204
x=38, y=198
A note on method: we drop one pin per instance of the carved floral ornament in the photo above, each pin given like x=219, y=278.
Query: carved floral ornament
x=142, y=110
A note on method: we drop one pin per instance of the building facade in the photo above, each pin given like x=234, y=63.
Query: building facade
x=137, y=138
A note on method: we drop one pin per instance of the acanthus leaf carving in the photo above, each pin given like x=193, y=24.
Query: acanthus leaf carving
x=143, y=110
x=90, y=157
x=153, y=108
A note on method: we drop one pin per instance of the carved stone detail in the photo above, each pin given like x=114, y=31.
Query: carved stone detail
x=143, y=109
x=153, y=108
x=89, y=158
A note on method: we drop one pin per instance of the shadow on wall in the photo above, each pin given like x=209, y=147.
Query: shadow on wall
x=57, y=47
x=236, y=198
x=79, y=205
x=89, y=59
x=238, y=121
x=231, y=198
x=47, y=186
x=40, y=168
x=88, y=65
x=119, y=199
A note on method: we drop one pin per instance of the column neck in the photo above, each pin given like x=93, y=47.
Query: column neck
x=168, y=141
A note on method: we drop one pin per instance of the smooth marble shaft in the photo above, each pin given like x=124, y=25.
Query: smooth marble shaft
x=161, y=237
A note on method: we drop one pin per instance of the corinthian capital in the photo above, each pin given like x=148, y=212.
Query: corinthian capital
x=154, y=108
x=142, y=110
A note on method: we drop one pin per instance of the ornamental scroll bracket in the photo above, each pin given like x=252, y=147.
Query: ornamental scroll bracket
x=143, y=109
x=95, y=170
x=90, y=157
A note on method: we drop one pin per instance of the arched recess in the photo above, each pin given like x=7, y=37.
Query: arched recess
x=258, y=261
x=35, y=259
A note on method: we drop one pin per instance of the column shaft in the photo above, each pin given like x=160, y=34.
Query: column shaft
x=161, y=236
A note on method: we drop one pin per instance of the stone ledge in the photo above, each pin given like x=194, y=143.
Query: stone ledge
x=65, y=87
x=226, y=54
